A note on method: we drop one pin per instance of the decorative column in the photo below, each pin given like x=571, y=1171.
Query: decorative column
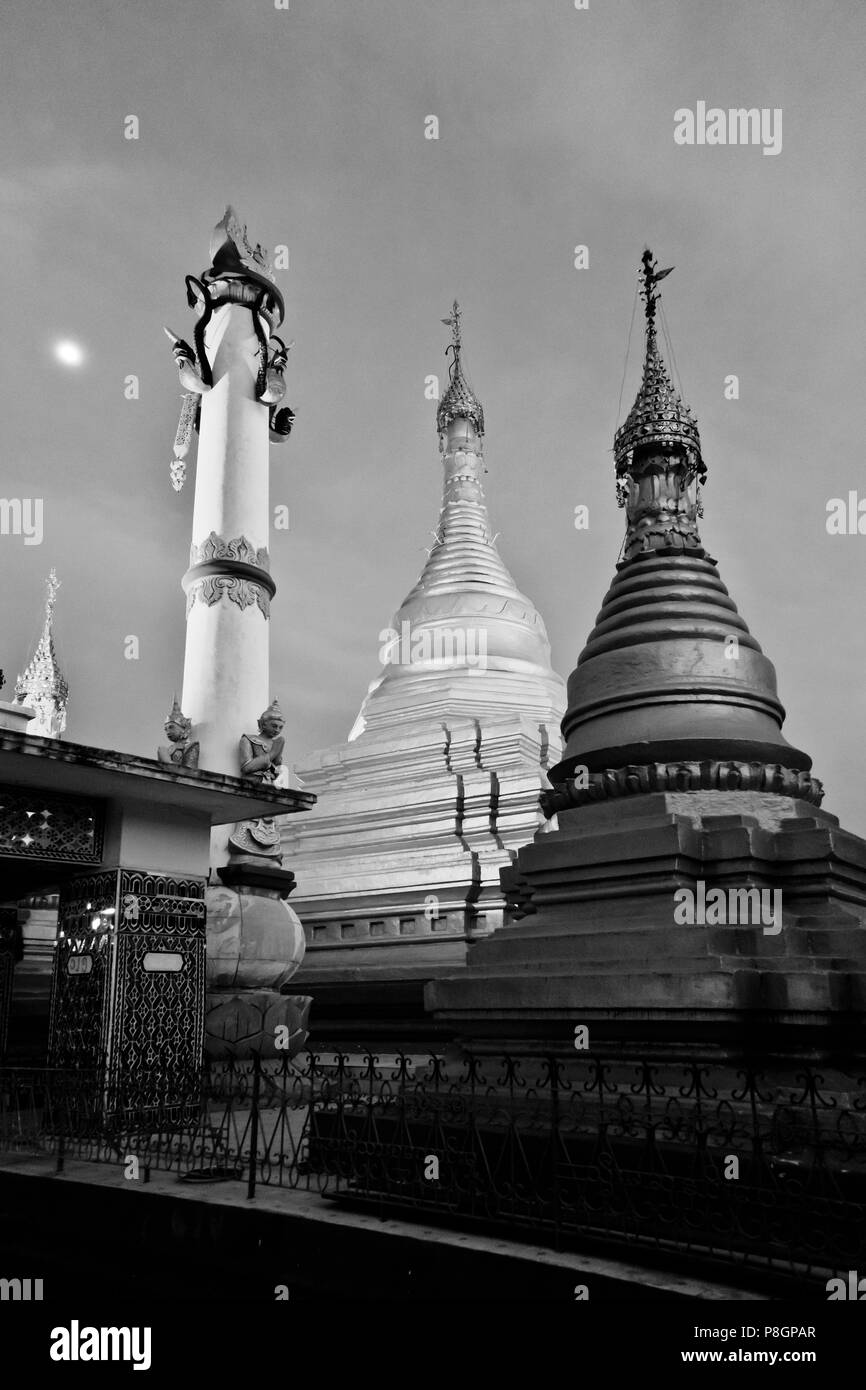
x=234, y=381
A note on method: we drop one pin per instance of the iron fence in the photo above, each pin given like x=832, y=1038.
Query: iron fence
x=695, y=1157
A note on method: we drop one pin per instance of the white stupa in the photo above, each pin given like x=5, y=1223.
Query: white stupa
x=438, y=784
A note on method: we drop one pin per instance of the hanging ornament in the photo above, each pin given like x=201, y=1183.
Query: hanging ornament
x=183, y=438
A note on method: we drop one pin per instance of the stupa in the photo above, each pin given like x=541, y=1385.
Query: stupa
x=676, y=787
x=43, y=687
x=439, y=782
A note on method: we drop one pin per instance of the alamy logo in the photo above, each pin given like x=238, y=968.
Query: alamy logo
x=736, y=126
x=21, y=1290
x=847, y=520
x=856, y=1288
x=464, y=646
x=736, y=907
x=76, y=1343
x=22, y=516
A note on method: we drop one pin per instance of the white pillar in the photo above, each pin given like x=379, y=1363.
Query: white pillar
x=228, y=588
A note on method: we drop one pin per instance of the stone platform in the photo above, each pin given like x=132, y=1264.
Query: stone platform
x=598, y=941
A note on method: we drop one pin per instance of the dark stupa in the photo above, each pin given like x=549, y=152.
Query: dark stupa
x=676, y=786
x=670, y=672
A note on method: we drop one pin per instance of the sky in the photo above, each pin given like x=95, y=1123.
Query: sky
x=556, y=129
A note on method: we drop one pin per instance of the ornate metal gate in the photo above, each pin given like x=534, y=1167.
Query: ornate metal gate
x=129, y=982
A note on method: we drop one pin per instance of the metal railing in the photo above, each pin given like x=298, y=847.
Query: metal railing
x=694, y=1157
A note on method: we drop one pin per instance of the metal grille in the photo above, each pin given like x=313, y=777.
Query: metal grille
x=41, y=825
x=129, y=981
x=159, y=1013
x=79, y=991
x=603, y=1152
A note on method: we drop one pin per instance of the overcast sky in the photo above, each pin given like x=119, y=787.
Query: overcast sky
x=556, y=129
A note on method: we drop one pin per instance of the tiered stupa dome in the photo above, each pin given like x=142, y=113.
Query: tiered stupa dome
x=671, y=691
x=465, y=634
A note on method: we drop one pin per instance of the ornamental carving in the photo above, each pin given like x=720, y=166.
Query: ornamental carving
x=215, y=547
x=243, y=592
x=710, y=775
x=238, y=588
x=659, y=465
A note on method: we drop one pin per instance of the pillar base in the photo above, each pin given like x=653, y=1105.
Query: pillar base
x=247, y=872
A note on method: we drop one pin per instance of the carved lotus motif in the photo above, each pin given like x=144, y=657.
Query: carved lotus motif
x=269, y=1024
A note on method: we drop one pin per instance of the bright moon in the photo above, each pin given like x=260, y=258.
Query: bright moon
x=69, y=353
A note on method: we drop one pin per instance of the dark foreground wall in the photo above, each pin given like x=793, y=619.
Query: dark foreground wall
x=146, y=1243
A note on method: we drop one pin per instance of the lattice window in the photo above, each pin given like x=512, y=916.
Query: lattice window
x=42, y=825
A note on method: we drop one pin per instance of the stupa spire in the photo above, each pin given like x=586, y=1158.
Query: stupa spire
x=671, y=689
x=657, y=451
x=43, y=685
x=465, y=615
x=459, y=400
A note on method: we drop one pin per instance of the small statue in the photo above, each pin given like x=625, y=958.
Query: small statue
x=262, y=753
x=180, y=750
x=262, y=762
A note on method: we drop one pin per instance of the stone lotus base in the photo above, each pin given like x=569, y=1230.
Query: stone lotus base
x=237, y=1025
x=255, y=943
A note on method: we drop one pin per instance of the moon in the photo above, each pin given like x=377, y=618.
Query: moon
x=67, y=352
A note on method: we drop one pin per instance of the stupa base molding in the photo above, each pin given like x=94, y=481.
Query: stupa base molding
x=602, y=940
x=710, y=774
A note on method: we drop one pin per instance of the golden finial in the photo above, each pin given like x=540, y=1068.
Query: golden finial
x=459, y=399
x=651, y=277
x=52, y=584
x=454, y=324
x=659, y=416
